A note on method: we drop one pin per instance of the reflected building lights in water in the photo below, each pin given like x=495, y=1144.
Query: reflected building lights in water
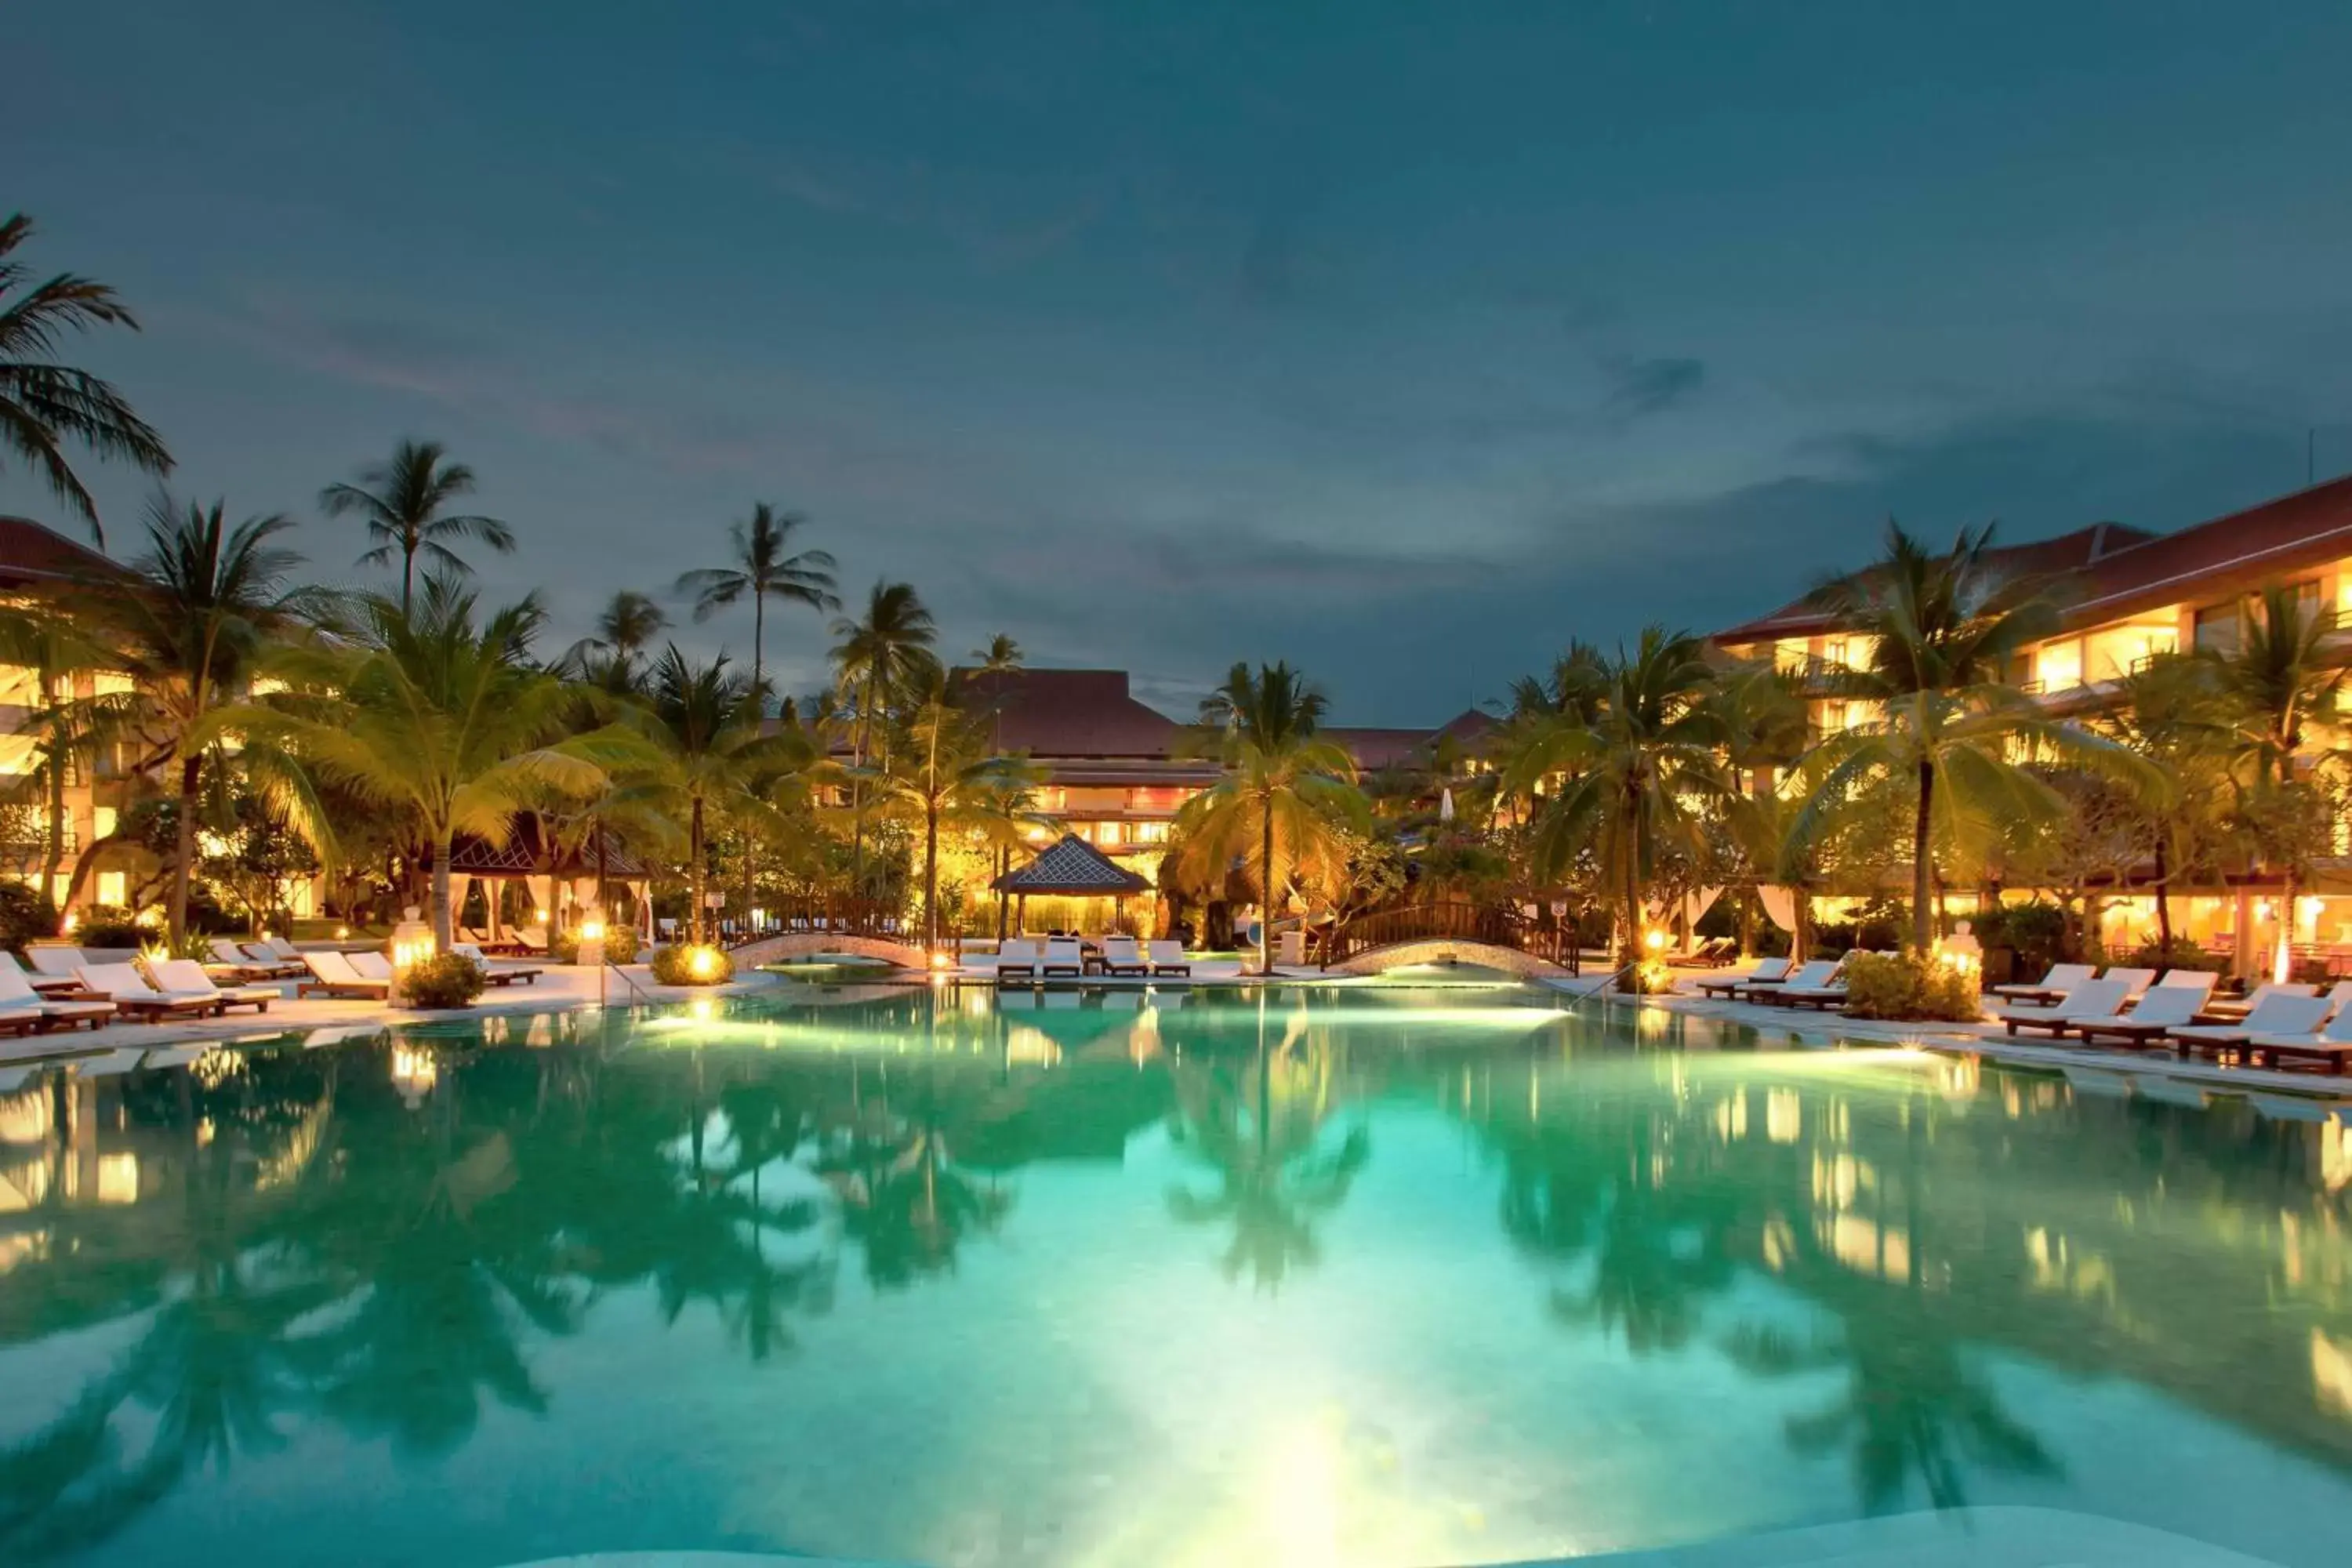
x=412, y=1074
x=1784, y=1115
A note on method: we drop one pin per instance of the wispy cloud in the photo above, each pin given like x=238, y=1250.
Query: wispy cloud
x=1637, y=389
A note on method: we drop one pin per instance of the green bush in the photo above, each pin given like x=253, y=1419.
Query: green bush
x=108, y=926
x=445, y=980
x=621, y=944
x=2182, y=955
x=674, y=965
x=1904, y=985
x=2036, y=932
x=26, y=915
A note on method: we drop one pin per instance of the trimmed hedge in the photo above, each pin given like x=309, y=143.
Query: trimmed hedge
x=445, y=980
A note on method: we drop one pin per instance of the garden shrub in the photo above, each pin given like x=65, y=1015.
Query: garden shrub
x=2182, y=955
x=621, y=944
x=107, y=926
x=445, y=980
x=1907, y=986
x=25, y=916
x=674, y=965
x=2035, y=933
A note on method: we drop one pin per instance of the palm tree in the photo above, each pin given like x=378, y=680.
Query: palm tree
x=877, y=659
x=1940, y=632
x=1001, y=657
x=763, y=570
x=706, y=751
x=951, y=772
x=402, y=502
x=1636, y=757
x=1285, y=797
x=608, y=657
x=2280, y=679
x=438, y=712
x=56, y=646
x=44, y=405
x=2173, y=713
x=1761, y=710
x=190, y=630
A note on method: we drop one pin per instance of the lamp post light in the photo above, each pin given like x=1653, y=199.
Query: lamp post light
x=412, y=944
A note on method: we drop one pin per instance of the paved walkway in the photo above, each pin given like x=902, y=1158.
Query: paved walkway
x=559, y=988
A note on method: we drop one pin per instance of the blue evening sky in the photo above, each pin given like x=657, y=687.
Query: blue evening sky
x=1400, y=341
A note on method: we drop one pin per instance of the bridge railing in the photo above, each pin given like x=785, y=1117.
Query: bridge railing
x=1497, y=925
x=829, y=917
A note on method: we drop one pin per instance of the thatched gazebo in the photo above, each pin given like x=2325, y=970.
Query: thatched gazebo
x=1070, y=868
x=556, y=879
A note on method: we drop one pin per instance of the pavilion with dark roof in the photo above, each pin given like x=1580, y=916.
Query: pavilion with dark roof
x=1070, y=868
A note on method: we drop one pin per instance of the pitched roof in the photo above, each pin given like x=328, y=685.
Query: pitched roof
x=1067, y=713
x=1375, y=747
x=31, y=554
x=2224, y=558
x=523, y=855
x=1072, y=868
x=2068, y=555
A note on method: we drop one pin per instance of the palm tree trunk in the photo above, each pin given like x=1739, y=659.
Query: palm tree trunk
x=2163, y=900
x=759, y=649
x=407, y=577
x=1003, y=898
x=443, y=849
x=56, y=854
x=1265, y=923
x=1923, y=870
x=184, y=847
x=694, y=874
x=930, y=874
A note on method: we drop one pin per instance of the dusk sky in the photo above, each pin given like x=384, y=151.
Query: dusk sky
x=1404, y=342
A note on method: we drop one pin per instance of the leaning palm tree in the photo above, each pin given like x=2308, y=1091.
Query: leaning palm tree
x=435, y=711
x=190, y=628
x=44, y=405
x=765, y=567
x=402, y=502
x=1624, y=772
x=706, y=751
x=879, y=659
x=1940, y=632
x=1288, y=798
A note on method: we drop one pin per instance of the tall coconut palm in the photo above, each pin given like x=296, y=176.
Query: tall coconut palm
x=879, y=659
x=1637, y=762
x=402, y=503
x=190, y=629
x=706, y=751
x=1002, y=656
x=1940, y=632
x=1762, y=710
x=950, y=774
x=765, y=567
x=2174, y=713
x=610, y=657
x=2281, y=678
x=44, y=406
x=1287, y=796
x=435, y=710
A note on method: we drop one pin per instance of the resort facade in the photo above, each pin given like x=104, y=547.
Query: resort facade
x=2128, y=597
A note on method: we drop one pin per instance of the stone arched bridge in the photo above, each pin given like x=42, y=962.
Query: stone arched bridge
x=1492, y=935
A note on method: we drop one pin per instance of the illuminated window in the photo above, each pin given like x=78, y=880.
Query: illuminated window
x=113, y=889
x=2217, y=629
x=106, y=684
x=2058, y=665
x=1151, y=833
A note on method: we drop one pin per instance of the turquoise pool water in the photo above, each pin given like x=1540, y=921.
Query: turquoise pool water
x=1377, y=1276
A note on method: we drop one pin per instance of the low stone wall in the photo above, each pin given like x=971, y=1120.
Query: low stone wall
x=775, y=949
x=1450, y=950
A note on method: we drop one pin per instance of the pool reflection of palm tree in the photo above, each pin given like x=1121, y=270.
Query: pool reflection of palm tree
x=1260, y=1132
x=1911, y=1407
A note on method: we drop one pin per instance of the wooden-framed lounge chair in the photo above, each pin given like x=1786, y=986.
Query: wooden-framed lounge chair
x=122, y=984
x=2329, y=1048
x=2279, y=1015
x=1063, y=956
x=24, y=1009
x=1017, y=957
x=186, y=978
x=2160, y=1008
x=1121, y=957
x=2062, y=978
x=56, y=961
x=232, y=962
x=2226, y=1010
x=371, y=966
x=1767, y=972
x=1831, y=992
x=2197, y=982
x=1808, y=976
x=2135, y=981
x=44, y=984
x=331, y=974
x=1713, y=952
x=2091, y=1000
x=526, y=975
x=1167, y=957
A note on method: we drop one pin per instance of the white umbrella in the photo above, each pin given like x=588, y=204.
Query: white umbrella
x=1445, y=804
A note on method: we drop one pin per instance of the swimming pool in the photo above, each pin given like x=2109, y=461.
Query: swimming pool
x=1365, y=1276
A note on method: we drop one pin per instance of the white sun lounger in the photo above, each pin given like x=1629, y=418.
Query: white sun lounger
x=185, y=977
x=2278, y=1017
x=2062, y=978
x=2161, y=1009
x=2091, y=1001
x=1767, y=972
x=332, y=973
x=122, y=984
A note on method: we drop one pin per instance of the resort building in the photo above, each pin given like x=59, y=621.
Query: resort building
x=2127, y=596
x=34, y=563
x=1116, y=770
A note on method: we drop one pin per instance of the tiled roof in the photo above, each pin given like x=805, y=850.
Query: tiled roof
x=1072, y=868
x=2064, y=556
x=2109, y=572
x=1374, y=747
x=1068, y=713
x=30, y=554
